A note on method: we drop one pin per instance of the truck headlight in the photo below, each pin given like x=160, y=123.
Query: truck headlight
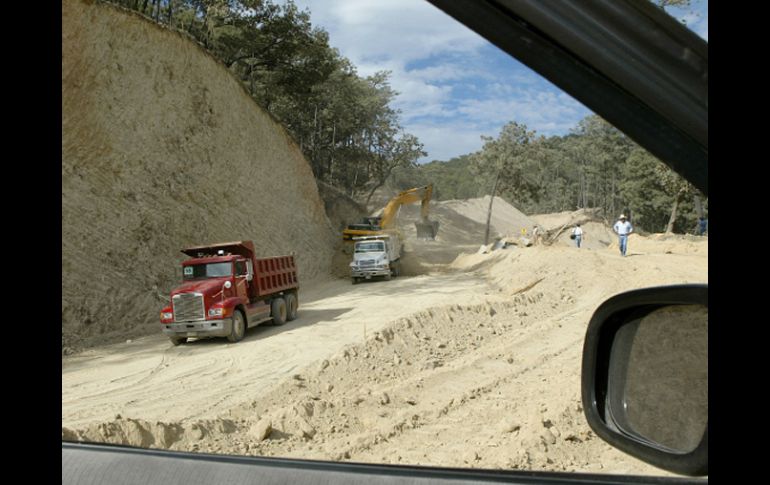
x=166, y=315
x=216, y=312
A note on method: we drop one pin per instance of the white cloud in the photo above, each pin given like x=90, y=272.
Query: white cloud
x=443, y=73
x=408, y=30
x=453, y=86
x=446, y=141
x=547, y=113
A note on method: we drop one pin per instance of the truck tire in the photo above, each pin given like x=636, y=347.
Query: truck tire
x=355, y=280
x=239, y=327
x=177, y=340
x=387, y=277
x=278, y=311
x=292, y=303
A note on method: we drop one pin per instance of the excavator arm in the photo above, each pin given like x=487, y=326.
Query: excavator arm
x=410, y=196
x=425, y=228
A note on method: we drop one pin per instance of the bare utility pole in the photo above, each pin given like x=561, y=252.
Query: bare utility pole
x=489, y=212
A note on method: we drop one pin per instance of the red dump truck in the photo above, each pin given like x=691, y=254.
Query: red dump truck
x=227, y=289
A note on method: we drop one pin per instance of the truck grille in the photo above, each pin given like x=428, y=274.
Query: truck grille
x=366, y=262
x=188, y=306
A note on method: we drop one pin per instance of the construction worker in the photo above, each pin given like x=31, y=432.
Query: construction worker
x=577, y=232
x=622, y=228
x=537, y=234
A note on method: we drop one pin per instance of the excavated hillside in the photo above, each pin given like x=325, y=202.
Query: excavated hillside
x=162, y=148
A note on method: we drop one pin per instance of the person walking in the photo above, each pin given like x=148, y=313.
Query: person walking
x=622, y=228
x=537, y=234
x=702, y=225
x=577, y=233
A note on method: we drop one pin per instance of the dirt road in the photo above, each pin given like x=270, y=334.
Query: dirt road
x=475, y=366
x=151, y=379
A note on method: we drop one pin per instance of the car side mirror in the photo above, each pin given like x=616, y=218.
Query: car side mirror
x=645, y=376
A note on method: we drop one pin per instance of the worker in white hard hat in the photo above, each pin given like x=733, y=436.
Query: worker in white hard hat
x=622, y=228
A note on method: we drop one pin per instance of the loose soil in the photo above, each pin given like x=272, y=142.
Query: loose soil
x=474, y=363
x=471, y=359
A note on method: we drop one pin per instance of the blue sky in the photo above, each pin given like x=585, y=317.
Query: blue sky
x=454, y=85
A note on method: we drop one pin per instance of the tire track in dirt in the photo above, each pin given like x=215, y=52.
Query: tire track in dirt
x=206, y=377
x=494, y=383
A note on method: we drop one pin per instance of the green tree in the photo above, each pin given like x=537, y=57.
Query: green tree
x=343, y=123
x=599, y=150
x=508, y=159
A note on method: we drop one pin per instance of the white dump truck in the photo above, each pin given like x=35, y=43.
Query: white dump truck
x=375, y=256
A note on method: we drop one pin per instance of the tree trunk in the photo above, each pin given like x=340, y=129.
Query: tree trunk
x=698, y=205
x=380, y=183
x=489, y=211
x=331, y=160
x=672, y=220
x=170, y=11
x=313, y=156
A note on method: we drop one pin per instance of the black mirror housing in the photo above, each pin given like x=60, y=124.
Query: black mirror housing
x=645, y=376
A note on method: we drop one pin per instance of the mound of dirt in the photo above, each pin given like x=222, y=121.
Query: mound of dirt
x=490, y=384
x=506, y=220
x=162, y=149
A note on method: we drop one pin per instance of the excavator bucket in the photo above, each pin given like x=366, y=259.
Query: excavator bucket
x=427, y=230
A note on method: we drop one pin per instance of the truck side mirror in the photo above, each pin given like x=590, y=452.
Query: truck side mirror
x=645, y=376
x=249, y=276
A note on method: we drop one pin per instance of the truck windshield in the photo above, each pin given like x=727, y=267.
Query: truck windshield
x=211, y=270
x=370, y=247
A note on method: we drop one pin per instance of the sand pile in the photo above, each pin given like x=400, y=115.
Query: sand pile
x=506, y=220
x=491, y=384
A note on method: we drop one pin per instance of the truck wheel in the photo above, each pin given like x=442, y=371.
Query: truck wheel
x=278, y=310
x=387, y=277
x=177, y=340
x=355, y=280
x=239, y=327
x=292, y=304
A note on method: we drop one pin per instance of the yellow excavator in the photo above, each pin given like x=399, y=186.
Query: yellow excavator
x=375, y=226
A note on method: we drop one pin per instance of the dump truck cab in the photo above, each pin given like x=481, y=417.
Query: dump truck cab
x=375, y=256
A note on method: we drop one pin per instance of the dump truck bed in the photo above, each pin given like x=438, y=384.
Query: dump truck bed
x=272, y=274
x=275, y=274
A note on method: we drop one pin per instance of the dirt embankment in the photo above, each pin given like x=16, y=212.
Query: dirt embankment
x=341, y=208
x=491, y=381
x=475, y=363
x=162, y=148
